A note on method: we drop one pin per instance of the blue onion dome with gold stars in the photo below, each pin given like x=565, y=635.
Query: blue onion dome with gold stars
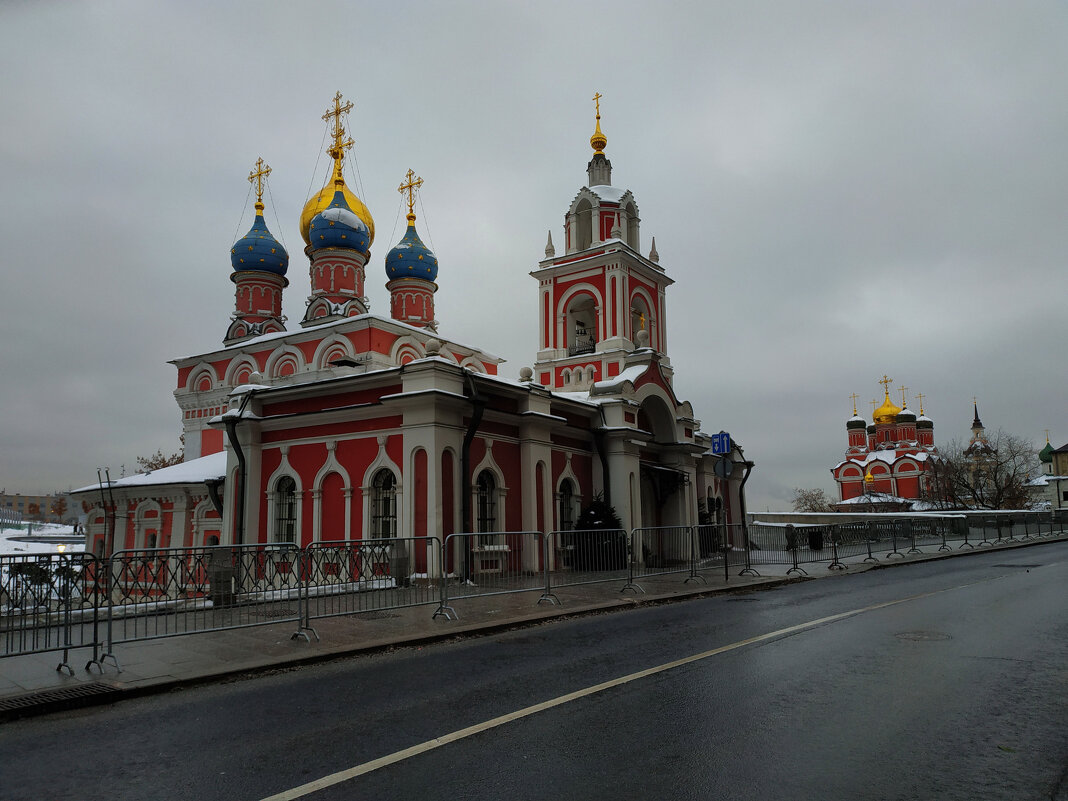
x=410, y=258
x=337, y=226
x=259, y=250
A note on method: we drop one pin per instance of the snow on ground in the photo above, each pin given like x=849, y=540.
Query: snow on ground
x=11, y=539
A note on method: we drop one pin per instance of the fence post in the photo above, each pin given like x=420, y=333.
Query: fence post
x=748, y=569
x=835, y=563
x=912, y=538
x=65, y=602
x=444, y=610
x=630, y=585
x=304, y=568
x=893, y=541
x=110, y=649
x=942, y=531
x=547, y=594
x=694, y=576
x=792, y=544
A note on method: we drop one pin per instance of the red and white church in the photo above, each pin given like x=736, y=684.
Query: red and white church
x=886, y=462
x=355, y=425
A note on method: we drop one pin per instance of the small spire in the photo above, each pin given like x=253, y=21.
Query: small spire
x=550, y=251
x=598, y=140
x=257, y=177
x=976, y=423
x=411, y=183
x=616, y=232
x=653, y=255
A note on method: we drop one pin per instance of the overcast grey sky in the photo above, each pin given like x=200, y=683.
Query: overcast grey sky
x=839, y=189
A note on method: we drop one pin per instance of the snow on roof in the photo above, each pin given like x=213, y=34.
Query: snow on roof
x=305, y=334
x=631, y=374
x=613, y=194
x=195, y=471
x=874, y=497
x=889, y=457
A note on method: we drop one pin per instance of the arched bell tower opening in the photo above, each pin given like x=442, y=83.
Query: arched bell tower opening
x=583, y=224
x=631, y=233
x=581, y=321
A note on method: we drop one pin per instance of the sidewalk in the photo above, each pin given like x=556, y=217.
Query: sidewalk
x=31, y=685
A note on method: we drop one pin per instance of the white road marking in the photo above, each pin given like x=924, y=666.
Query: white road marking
x=415, y=750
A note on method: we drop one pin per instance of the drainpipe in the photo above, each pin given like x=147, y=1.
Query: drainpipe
x=741, y=500
x=478, y=406
x=213, y=494
x=242, y=471
x=598, y=441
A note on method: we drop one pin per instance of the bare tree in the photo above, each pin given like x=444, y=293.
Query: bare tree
x=991, y=478
x=811, y=500
x=160, y=459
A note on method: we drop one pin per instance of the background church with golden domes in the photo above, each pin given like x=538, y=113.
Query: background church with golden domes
x=356, y=425
x=888, y=458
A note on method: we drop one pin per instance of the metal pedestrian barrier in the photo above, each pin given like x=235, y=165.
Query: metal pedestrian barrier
x=166, y=592
x=489, y=563
x=50, y=602
x=354, y=577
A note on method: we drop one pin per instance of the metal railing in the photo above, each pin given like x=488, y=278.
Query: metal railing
x=354, y=577
x=50, y=602
x=57, y=602
x=166, y=592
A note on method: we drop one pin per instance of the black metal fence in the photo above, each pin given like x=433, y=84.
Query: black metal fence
x=60, y=602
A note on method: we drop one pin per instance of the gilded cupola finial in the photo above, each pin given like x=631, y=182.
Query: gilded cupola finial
x=854, y=396
x=598, y=140
x=341, y=141
x=919, y=397
x=410, y=184
x=256, y=177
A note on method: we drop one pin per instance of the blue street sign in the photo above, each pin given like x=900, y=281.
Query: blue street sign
x=721, y=443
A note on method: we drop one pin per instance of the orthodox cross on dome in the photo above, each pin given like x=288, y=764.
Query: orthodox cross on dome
x=874, y=406
x=904, y=403
x=854, y=396
x=411, y=183
x=919, y=397
x=886, y=382
x=257, y=176
x=598, y=140
x=341, y=142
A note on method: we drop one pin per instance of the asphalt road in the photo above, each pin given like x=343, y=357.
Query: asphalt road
x=944, y=680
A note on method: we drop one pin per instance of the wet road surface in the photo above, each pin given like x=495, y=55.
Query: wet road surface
x=940, y=680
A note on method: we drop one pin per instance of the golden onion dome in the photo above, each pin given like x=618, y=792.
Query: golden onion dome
x=320, y=201
x=888, y=412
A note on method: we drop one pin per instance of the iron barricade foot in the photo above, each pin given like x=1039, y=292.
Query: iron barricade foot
x=550, y=597
x=64, y=666
x=635, y=588
x=114, y=659
x=90, y=663
x=800, y=570
x=302, y=634
x=750, y=571
x=695, y=577
x=446, y=612
x=967, y=545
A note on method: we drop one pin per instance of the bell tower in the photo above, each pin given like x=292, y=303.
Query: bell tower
x=596, y=297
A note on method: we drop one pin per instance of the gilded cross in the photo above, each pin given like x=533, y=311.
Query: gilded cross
x=903, y=391
x=411, y=183
x=256, y=177
x=597, y=99
x=886, y=382
x=854, y=396
x=874, y=406
x=341, y=142
x=920, y=396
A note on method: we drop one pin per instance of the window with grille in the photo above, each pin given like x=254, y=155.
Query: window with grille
x=383, y=505
x=567, y=509
x=285, y=510
x=487, y=508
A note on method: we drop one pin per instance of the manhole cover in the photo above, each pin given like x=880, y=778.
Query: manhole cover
x=923, y=636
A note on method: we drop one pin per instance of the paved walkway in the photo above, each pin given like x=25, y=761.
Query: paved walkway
x=31, y=684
